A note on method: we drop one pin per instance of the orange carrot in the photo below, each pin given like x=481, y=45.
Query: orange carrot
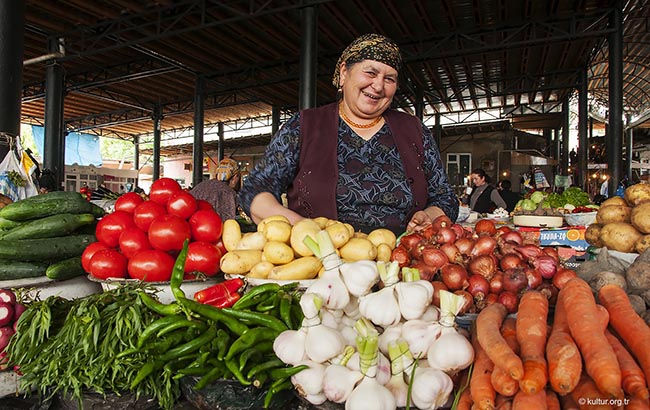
x=502, y=382
x=552, y=401
x=603, y=316
x=523, y=401
x=568, y=403
x=531, y=335
x=503, y=403
x=586, y=328
x=488, y=324
x=588, y=397
x=633, y=380
x=629, y=326
x=480, y=387
x=562, y=354
x=636, y=403
x=465, y=401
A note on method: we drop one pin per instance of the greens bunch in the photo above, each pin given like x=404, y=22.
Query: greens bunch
x=571, y=196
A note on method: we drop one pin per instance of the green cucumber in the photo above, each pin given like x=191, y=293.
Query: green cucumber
x=49, y=226
x=97, y=210
x=65, y=269
x=7, y=225
x=12, y=270
x=40, y=206
x=47, y=249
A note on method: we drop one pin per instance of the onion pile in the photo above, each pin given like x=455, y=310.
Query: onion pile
x=487, y=263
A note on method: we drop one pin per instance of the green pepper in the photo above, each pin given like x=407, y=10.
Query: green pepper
x=250, y=338
x=220, y=343
x=155, y=326
x=145, y=371
x=254, y=352
x=274, y=389
x=285, y=310
x=190, y=346
x=255, y=295
x=232, y=366
x=296, y=314
x=183, y=323
x=178, y=273
x=215, y=314
x=263, y=367
x=283, y=373
x=213, y=374
x=160, y=308
x=257, y=318
x=164, y=344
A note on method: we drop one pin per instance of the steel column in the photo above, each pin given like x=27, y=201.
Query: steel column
x=54, y=140
x=308, y=56
x=220, y=134
x=136, y=153
x=564, y=153
x=197, y=149
x=583, y=142
x=629, y=145
x=12, y=23
x=275, y=120
x=437, y=136
x=615, y=130
x=157, y=118
x=419, y=103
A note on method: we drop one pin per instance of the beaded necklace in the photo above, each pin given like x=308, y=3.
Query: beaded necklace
x=356, y=125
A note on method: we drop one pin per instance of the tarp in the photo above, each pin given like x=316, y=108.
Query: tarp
x=80, y=149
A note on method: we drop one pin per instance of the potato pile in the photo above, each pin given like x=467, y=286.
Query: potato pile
x=277, y=249
x=623, y=224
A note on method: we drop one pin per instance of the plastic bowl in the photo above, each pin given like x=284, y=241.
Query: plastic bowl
x=580, y=219
x=463, y=213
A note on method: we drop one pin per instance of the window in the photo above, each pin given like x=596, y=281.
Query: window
x=459, y=166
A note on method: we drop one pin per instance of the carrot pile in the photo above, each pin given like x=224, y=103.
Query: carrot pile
x=594, y=355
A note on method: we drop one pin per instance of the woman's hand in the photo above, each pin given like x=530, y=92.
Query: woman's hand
x=424, y=218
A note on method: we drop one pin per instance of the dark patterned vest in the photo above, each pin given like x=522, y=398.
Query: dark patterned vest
x=483, y=202
x=313, y=192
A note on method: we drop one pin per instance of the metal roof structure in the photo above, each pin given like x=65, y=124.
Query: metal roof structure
x=516, y=59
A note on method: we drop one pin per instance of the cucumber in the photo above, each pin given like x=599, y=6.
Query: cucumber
x=97, y=210
x=47, y=249
x=40, y=206
x=49, y=227
x=7, y=225
x=12, y=270
x=65, y=269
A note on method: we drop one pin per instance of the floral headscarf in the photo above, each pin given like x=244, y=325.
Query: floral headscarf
x=369, y=47
x=227, y=168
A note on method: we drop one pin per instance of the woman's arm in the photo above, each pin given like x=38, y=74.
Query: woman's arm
x=496, y=197
x=421, y=219
x=264, y=205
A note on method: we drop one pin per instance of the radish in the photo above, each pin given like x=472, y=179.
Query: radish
x=4, y=361
x=6, y=313
x=5, y=336
x=7, y=296
x=19, y=308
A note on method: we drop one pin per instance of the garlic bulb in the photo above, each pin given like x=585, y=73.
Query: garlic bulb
x=309, y=382
x=381, y=307
x=414, y=298
x=390, y=334
x=321, y=342
x=420, y=335
x=329, y=285
x=289, y=346
x=370, y=395
x=450, y=352
x=359, y=276
x=431, y=388
x=339, y=381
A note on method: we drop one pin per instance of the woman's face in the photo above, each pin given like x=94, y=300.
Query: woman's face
x=368, y=87
x=477, y=180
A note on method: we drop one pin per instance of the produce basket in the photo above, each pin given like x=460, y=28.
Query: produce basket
x=232, y=395
x=190, y=287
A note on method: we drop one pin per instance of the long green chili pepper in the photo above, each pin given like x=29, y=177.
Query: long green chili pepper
x=157, y=307
x=285, y=310
x=191, y=346
x=274, y=389
x=283, y=373
x=155, y=326
x=220, y=343
x=215, y=314
x=183, y=323
x=252, y=353
x=145, y=371
x=212, y=375
x=234, y=368
x=179, y=272
x=263, y=367
x=257, y=318
x=269, y=303
x=250, y=338
x=255, y=295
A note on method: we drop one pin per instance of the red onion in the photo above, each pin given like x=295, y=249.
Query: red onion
x=441, y=221
x=550, y=291
x=512, y=236
x=491, y=298
x=416, y=250
x=465, y=245
x=503, y=229
x=546, y=265
x=433, y=256
x=562, y=276
x=551, y=252
x=509, y=300
x=496, y=283
x=533, y=277
x=452, y=252
x=426, y=272
x=401, y=255
x=469, y=302
x=529, y=252
x=410, y=240
x=511, y=260
x=483, y=265
x=445, y=235
x=485, y=227
x=460, y=231
x=437, y=287
x=454, y=276
x=514, y=280
x=428, y=232
x=485, y=245
x=478, y=287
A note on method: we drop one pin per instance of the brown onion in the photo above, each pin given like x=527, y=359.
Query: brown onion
x=551, y=252
x=437, y=287
x=484, y=245
x=507, y=247
x=491, y=298
x=401, y=255
x=496, y=283
x=441, y=221
x=416, y=250
x=509, y=300
x=485, y=227
x=529, y=252
x=514, y=280
x=426, y=272
x=546, y=265
x=533, y=277
x=478, y=287
x=445, y=235
x=469, y=302
x=433, y=256
x=428, y=232
x=483, y=265
x=460, y=231
x=512, y=236
x=410, y=240
x=452, y=252
x=454, y=276
x=562, y=276
x=465, y=245
x=503, y=229
x=511, y=260
x=550, y=291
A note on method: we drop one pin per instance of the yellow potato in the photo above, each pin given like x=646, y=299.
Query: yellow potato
x=384, y=252
x=299, y=231
x=240, y=262
x=358, y=249
x=338, y=233
x=383, y=235
x=252, y=240
x=350, y=229
x=231, y=234
x=262, y=225
x=303, y=268
x=613, y=213
x=277, y=231
x=322, y=221
x=360, y=235
x=278, y=253
x=261, y=270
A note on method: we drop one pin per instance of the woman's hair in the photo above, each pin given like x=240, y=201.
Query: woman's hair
x=47, y=180
x=481, y=172
x=506, y=184
x=369, y=47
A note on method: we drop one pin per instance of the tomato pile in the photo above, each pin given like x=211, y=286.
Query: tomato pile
x=582, y=209
x=141, y=238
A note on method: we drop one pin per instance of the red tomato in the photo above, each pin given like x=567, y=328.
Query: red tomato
x=132, y=241
x=88, y=253
x=202, y=257
x=146, y=212
x=151, y=265
x=206, y=226
x=127, y=202
x=168, y=232
x=181, y=204
x=162, y=189
x=108, y=263
x=110, y=227
x=203, y=204
x=221, y=246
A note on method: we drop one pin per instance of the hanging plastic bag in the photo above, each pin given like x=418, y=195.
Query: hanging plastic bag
x=14, y=180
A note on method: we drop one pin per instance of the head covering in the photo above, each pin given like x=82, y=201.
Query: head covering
x=369, y=47
x=227, y=168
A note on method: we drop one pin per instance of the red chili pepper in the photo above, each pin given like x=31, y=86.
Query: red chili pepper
x=222, y=293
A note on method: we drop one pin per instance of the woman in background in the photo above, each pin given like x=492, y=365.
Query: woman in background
x=221, y=192
x=484, y=197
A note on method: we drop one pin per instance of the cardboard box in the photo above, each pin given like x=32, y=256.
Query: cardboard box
x=573, y=237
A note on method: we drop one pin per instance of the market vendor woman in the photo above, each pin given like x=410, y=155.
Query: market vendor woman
x=484, y=197
x=355, y=160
